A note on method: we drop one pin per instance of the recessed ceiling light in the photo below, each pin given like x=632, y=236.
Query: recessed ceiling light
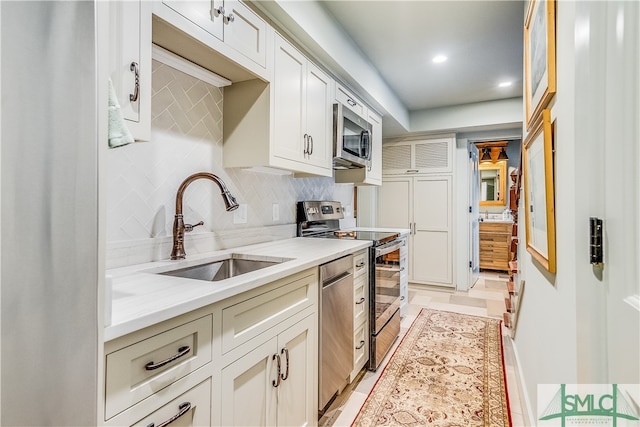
x=439, y=59
x=505, y=84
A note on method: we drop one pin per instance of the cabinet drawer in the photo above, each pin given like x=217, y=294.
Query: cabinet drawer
x=347, y=99
x=137, y=371
x=361, y=305
x=496, y=227
x=360, y=263
x=360, y=349
x=495, y=238
x=251, y=317
x=193, y=408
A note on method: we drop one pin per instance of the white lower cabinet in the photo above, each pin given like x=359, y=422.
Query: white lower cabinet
x=249, y=360
x=360, y=312
x=278, y=379
x=404, y=277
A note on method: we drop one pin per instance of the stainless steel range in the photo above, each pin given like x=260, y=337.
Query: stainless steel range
x=321, y=219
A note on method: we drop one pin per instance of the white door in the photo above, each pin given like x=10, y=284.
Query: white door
x=432, y=240
x=621, y=273
x=474, y=214
x=297, y=391
x=319, y=117
x=248, y=393
x=288, y=100
x=395, y=208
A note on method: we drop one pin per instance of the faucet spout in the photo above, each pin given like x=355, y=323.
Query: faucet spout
x=179, y=227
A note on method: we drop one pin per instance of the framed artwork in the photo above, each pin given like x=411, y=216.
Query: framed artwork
x=539, y=58
x=539, y=193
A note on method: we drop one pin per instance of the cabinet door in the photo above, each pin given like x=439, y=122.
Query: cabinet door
x=319, y=116
x=203, y=13
x=394, y=207
x=297, y=393
x=289, y=87
x=432, y=242
x=248, y=394
x=130, y=63
x=245, y=31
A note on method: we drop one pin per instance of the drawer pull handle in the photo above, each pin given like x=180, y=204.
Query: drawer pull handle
x=351, y=102
x=133, y=97
x=286, y=373
x=360, y=346
x=361, y=301
x=360, y=264
x=276, y=382
x=181, y=352
x=184, y=408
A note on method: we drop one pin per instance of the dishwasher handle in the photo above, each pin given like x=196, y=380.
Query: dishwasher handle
x=336, y=279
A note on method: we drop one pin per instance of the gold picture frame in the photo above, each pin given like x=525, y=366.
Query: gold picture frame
x=539, y=58
x=539, y=196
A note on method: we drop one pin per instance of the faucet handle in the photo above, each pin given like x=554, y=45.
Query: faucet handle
x=189, y=227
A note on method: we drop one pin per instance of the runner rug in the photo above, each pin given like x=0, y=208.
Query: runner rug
x=447, y=371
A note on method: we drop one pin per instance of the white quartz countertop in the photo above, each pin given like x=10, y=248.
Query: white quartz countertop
x=141, y=297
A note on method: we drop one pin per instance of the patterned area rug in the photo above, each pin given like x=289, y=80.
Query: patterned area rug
x=447, y=371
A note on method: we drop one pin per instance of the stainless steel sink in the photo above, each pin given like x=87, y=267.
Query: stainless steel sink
x=235, y=265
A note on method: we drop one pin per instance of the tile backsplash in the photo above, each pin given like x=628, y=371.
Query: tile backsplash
x=186, y=137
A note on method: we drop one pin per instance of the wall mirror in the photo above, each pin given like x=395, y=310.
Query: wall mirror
x=493, y=183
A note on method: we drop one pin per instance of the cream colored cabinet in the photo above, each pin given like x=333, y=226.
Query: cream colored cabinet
x=230, y=22
x=418, y=157
x=276, y=379
x=371, y=175
x=360, y=311
x=302, y=111
x=147, y=369
x=268, y=354
x=286, y=124
x=404, y=277
x=424, y=204
x=130, y=63
x=349, y=100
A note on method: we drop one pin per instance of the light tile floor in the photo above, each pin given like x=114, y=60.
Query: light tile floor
x=485, y=298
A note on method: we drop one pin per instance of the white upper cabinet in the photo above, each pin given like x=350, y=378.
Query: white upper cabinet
x=130, y=63
x=302, y=110
x=229, y=27
x=349, y=100
x=285, y=124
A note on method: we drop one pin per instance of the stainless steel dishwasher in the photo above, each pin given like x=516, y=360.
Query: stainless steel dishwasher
x=336, y=328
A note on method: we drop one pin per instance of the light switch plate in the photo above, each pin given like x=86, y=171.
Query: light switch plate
x=240, y=214
x=276, y=212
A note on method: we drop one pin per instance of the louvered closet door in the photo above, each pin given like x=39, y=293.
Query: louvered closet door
x=432, y=242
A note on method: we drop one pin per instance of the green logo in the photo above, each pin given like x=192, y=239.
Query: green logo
x=590, y=406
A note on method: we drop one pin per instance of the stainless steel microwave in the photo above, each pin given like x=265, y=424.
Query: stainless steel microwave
x=351, y=139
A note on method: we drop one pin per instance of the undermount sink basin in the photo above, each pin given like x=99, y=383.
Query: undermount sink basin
x=222, y=269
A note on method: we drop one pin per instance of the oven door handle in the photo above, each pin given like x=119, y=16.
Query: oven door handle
x=390, y=247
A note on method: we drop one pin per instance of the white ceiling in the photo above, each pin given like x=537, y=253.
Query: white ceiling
x=482, y=40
